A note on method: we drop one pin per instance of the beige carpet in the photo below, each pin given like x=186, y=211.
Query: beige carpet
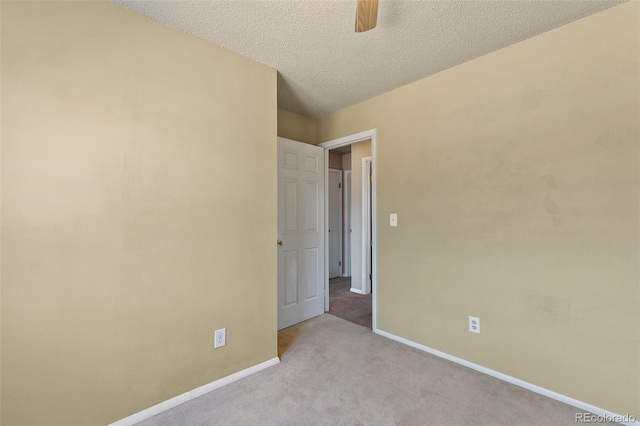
x=336, y=372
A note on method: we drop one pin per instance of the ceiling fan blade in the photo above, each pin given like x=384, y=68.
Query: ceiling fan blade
x=366, y=15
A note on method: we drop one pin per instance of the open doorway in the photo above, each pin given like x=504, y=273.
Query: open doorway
x=350, y=236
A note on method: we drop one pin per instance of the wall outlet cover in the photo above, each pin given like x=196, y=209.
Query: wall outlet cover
x=220, y=338
x=474, y=325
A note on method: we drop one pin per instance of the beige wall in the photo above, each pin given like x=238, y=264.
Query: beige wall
x=297, y=127
x=358, y=152
x=515, y=179
x=346, y=161
x=138, y=212
x=335, y=161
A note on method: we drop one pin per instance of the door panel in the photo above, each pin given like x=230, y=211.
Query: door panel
x=346, y=232
x=311, y=206
x=300, y=232
x=335, y=223
x=311, y=263
x=367, y=275
x=291, y=278
x=290, y=206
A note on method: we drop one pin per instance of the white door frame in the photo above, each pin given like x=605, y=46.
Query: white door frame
x=336, y=143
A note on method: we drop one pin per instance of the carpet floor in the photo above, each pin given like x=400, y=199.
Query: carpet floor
x=334, y=372
x=348, y=305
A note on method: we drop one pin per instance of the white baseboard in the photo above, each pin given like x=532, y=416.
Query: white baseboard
x=509, y=379
x=355, y=290
x=187, y=396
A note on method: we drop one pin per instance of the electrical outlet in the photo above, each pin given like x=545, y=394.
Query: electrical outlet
x=220, y=338
x=474, y=325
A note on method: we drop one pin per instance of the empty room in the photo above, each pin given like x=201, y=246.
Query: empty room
x=172, y=239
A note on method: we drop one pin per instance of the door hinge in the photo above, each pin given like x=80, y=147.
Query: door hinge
x=370, y=178
x=339, y=263
x=370, y=277
x=339, y=186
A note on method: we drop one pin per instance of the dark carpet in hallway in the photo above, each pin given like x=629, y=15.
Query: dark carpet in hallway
x=348, y=305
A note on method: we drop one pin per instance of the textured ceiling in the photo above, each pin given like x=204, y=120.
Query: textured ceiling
x=325, y=66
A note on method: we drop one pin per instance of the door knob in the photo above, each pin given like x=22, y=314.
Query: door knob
x=280, y=243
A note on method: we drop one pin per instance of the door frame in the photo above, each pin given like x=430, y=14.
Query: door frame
x=337, y=143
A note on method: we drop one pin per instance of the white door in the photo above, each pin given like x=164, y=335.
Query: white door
x=335, y=223
x=367, y=173
x=300, y=232
x=346, y=232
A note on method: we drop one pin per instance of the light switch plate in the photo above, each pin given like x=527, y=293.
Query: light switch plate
x=393, y=219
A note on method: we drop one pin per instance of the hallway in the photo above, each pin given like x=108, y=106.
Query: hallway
x=347, y=305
